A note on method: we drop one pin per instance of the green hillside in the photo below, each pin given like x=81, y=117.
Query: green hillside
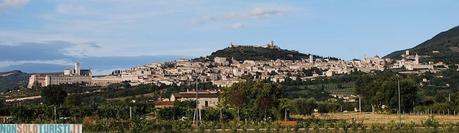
x=13, y=79
x=446, y=43
x=260, y=53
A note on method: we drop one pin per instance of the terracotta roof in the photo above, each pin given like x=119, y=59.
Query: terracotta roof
x=164, y=103
x=193, y=95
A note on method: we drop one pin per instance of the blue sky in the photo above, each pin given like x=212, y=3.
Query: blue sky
x=62, y=31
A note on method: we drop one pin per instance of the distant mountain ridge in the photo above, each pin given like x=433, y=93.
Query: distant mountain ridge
x=442, y=47
x=268, y=52
x=13, y=79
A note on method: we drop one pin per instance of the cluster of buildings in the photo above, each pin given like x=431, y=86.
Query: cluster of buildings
x=412, y=64
x=224, y=72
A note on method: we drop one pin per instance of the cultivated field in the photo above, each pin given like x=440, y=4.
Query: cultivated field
x=375, y=118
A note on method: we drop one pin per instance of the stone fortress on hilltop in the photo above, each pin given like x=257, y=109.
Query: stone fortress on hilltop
x=270, y=45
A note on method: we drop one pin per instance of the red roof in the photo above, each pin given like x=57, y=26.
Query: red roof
x=164, y=103
x=193, y=95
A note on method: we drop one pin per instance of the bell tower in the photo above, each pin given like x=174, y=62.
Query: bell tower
x=77, y=68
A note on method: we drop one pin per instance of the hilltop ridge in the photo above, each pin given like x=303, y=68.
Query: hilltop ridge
x=13, y=79
x=255, y=52
x=442, y=47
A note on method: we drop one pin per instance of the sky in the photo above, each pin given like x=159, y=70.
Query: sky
x=47, y=35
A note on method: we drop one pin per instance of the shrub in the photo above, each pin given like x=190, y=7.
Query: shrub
x=344, y=125
x=431, y=122
x=356, y=125
x=409, y=126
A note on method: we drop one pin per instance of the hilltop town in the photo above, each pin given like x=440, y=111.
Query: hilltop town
x=225, y=71
x=177, y=66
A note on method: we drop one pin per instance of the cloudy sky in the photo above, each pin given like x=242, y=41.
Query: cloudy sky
x=44, y=35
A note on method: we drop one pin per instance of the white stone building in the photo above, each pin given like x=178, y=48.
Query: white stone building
x=70, y=76
x=206, y=99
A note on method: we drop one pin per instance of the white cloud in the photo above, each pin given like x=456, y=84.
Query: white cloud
x=21, y=62
x=81, y=49
x=70, y=8
x=253, y=13
x=237, y=26
x=11, y=4
x=127, y=28
x=71, y=49
x=258, y=12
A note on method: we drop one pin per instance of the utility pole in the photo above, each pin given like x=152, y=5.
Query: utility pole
x=197, y=112
x=130, y=112
x=130, y=109
x=399, y=100
x=449, y=100
x=360, y=104
x=285, y=115
x=55, y=114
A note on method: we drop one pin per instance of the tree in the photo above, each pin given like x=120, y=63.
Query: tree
x=285, y=105
x=408, y=92
x=263, y=104
x=327, y=106
x=53, y=95
x=380, y=88
x=267, y=97
x=305, y=106
x=257, y=99
x=212, y=114
x=236, y=96
x=322, y=107
x=72, y=100
x=173, y=113
x=4, y=110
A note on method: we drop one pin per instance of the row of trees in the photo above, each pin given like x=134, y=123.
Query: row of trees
x=424, y=93
x=256, y=100
x=184, y=110
x=67, y=103
x=251, y=100
x=380, y=89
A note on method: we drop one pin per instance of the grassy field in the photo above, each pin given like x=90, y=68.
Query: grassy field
x=375, y=118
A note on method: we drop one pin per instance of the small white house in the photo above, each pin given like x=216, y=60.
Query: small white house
x=206, y=99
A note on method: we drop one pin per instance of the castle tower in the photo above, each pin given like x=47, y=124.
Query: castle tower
x=77, y=68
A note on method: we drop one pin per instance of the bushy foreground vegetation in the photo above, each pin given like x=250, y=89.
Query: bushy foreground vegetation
x=307, y=125
x=248, y=105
